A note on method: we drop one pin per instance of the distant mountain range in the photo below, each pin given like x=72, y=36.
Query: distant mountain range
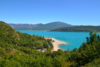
x=56, y=26
x=48, y=26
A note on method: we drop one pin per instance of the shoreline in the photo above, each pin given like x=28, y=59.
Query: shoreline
x=56, y=43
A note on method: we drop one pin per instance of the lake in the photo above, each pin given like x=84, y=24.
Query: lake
x=74, y=39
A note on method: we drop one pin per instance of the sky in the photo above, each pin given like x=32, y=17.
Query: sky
x=75, y=12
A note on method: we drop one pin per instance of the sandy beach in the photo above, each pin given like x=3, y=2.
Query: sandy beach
x=56, y=43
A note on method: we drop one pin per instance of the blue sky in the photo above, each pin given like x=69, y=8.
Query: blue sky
x=76, y=12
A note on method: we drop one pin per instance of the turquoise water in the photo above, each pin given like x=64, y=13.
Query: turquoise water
x=74, y=39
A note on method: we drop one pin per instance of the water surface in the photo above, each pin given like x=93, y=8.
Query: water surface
x=74, y=39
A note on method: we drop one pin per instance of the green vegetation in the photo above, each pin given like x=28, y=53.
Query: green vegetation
x=10, y=36
x=21, y=50
x=79, y=29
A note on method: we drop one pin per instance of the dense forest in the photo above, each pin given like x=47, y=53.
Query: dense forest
x=79, y=29
x=21, y=50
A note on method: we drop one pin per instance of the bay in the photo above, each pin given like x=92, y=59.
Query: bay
x=74, y=39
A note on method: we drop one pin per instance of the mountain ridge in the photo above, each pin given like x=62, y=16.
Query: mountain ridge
x=79, y=29
x=40, y=26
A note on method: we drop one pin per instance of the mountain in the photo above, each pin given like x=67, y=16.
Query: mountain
x=58, y=24
x=79, y=29
x=48, y=26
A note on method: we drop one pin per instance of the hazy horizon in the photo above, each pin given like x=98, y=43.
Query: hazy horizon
x=52, y=22
x=75, y=12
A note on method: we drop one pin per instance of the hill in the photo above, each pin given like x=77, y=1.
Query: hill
x=79, y=29
x=8, y=31
x=10, y=36
x=48, y=26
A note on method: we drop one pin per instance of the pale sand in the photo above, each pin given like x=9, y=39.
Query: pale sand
x=56, y=43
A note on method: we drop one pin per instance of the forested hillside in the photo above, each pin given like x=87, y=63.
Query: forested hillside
x=21, y=50
x=10, y=36
x=79, y=29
